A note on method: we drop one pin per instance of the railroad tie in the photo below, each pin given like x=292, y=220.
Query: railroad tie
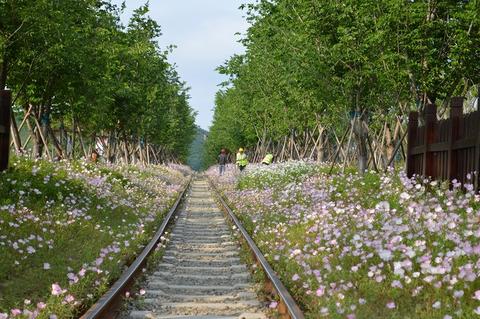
x=201, y=275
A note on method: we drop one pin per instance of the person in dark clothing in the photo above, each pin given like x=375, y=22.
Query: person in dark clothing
x=222, y=161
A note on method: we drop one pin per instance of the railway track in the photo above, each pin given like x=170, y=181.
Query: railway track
x=201, y=275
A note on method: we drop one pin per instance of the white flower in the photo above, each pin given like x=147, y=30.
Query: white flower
x=405, y=196
x=385, y=255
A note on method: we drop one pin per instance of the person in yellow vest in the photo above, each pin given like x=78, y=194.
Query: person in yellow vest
x=242, y=160
x=268, y=159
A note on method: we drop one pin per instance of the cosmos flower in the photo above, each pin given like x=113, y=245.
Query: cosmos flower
x=390, y=305
x=273, y=305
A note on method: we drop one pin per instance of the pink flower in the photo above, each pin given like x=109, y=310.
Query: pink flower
x=295, y=277
x=476, y=249
x=57, y=290
x=273, y=305
x=391, y=305
x=351, y=316
x=477, y=295
x=16, y=312
x=320, y=291
x=41, y=305
x=69, y=298
x=142, y=292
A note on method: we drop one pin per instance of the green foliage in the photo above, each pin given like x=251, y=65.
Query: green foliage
x=72, y=61
x=310, y=62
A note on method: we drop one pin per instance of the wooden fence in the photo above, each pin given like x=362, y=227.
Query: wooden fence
x=5, y=100
x=448, y=149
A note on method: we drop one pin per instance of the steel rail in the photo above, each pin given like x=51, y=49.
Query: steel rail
x=104, y=305
x=293, y=310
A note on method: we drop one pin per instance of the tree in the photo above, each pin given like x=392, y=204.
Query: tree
x=310, y=64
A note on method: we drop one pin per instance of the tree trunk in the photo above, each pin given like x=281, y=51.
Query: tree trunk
x=125, y=150
x=63, y=137
x=44, y=123
x=36, y=133
x=3, y=73
x=74, y=135
x=389, y=142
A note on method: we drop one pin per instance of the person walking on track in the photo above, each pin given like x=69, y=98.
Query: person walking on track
x=242, y=160
x=222, y=161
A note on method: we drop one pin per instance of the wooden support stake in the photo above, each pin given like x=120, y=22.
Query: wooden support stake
x=347, y=156
x=282, y=310
x=339, y=148
x=5, y=117
x=395, y=151
x=25, y=118
x=42, y=137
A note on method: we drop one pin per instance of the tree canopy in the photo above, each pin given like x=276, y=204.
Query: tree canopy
x=72, y=63
x=313, y=62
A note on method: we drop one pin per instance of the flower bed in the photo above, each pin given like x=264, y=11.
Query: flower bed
x=68, y=230
x=378, y=246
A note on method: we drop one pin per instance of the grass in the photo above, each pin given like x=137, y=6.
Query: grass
x=76, y=225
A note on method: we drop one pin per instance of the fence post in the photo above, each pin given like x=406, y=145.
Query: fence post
x=456, y=112
x=429, y=169
x=5, y=101
x=412, y=135
x=477, y=149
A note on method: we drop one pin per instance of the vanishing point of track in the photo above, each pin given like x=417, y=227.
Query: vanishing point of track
x=201, y=275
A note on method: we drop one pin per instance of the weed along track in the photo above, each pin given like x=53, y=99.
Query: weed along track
x=200, y=275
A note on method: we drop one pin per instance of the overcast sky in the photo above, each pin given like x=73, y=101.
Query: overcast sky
x=204, y=33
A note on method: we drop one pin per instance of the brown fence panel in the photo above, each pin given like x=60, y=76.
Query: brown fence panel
x=447, y=149
x=5, y=100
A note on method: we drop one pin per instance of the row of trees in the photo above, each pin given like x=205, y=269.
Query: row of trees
x=82, y=80
x=317, y=74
